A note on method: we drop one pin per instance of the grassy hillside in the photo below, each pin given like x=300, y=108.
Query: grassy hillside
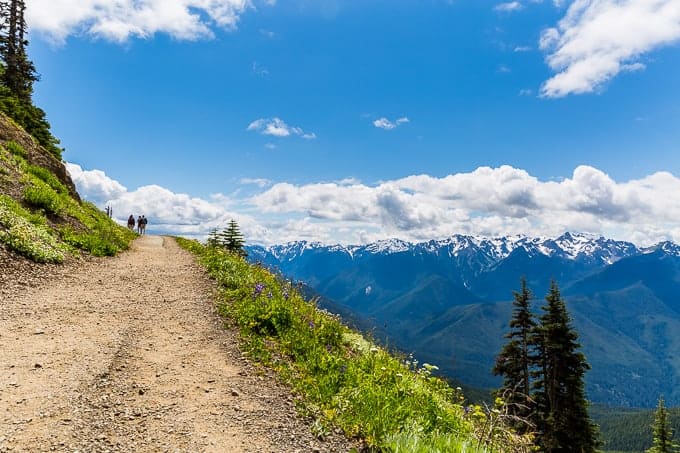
x=41, y=216
x=342, y=380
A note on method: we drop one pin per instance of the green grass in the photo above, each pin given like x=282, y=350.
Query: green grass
x=393, y=404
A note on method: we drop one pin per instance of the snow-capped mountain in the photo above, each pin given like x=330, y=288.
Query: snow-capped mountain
x=448, y=300
x=572, y=246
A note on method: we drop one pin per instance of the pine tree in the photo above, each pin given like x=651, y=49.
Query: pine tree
x=662, y=432
x=213, y=238
x=514, y=360
x=19, y=72
x=17, y=75
x=562, y=416
x=232, y=239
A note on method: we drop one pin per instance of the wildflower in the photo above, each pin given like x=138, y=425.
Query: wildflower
x=258, y=289
x=269, y=295
x=382, y=368
x=311, y=325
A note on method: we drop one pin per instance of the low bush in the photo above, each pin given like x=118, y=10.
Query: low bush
x=40, y=195
x=16, y=149
x=28, y=239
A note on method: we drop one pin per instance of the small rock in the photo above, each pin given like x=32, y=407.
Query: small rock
x=37, y=365
x=39, y=332
x=234, y=393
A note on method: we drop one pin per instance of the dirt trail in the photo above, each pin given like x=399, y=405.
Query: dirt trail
x=127, y=354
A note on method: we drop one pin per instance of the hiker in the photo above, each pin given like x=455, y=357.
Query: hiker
x=139, y=224
x=142, y=224
x=131, y=222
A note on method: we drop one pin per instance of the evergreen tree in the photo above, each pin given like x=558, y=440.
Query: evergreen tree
x=19, y=72
x=17, y=75
x=562, y=416
x=514, y=360
x=213, y=238
x=232, y=239
x=662, y=432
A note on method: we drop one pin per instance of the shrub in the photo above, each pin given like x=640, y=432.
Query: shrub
x=25, y=238
x=41, y=195
x=16, y=149
x=48, y=177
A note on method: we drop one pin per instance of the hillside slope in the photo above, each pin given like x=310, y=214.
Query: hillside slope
x=449, y=302
x=42, y=217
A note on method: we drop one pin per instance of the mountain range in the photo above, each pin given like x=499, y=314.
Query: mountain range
x=449, y=302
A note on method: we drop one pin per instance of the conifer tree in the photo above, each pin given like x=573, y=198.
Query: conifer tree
x=562, y=418
x=19, y=72
x=232, y=239
x=213, y=238
x=514, y=360
x=662, y=432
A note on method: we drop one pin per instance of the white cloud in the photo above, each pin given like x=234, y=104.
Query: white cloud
x=99, y=187
x=521, y=49
x=509, y=6
x=384, y=123
x=599, y=39
x=259, y=182
x=259, y=70
x=120, y=20
x=276, y=127
x=491, y=201
x=487, y=201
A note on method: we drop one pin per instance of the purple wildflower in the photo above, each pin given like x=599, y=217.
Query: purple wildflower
x=311, y=325
x=258, y=289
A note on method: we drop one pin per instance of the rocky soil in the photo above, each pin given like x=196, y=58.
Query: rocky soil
x=127, y=354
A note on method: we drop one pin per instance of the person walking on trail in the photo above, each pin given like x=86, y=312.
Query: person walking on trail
x=139, y=224
x=131, y=222
x=142, y=224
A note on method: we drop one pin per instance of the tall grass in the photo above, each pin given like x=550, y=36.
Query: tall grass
x=392, y=403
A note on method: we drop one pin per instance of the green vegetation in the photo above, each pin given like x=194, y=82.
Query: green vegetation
x=515, y=360
x=50, y=224
x=30, y=239
x=662, y=432
x=344, y=380
x=17, y=75
x=41, y=195
x=549, y=352
x=629, y=430
x=229, y=239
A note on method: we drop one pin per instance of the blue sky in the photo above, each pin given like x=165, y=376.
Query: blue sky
x=313, y=119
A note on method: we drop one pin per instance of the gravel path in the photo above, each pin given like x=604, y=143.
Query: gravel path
x=127, y=354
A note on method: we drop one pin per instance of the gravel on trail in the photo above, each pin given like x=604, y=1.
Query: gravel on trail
x=127, y=354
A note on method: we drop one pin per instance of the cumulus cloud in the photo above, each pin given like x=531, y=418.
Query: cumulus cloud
x=120, y=20
x=384, y=123
x=598, y=39
x=99, y=187
x=276, y=127
x=491, y=201
x=487, y=201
